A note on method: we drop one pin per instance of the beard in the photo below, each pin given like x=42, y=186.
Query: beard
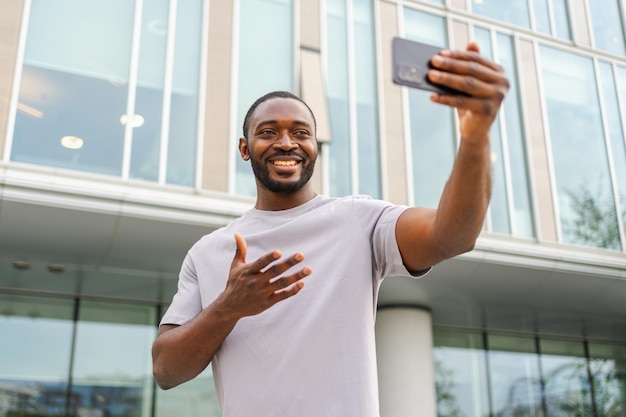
x=262, y=175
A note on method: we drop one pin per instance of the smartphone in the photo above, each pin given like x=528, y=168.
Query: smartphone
x=411, y=62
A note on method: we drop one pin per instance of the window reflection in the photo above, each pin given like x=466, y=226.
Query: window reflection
x=433, y=143
x=461, y=381
x=340, y=169
x=566, y=380
x=579, y=153
x=512, y=11
x=608, y=369
x=607, y=25
x=112, y=372
x=34, y=355
x=561, y=19
x=518, y=168
x=499, y=204
x=367, y=101
x=514, y=376
x=76, y=82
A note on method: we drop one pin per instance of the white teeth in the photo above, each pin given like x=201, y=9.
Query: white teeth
x=284, y=163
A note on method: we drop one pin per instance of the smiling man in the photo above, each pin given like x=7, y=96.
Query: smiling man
x=282, y=301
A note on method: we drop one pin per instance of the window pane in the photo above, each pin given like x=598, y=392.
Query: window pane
x=34, y=370
x=561, y=19
x=367, y=101
x=608, y=369
x=512, y=11
x=566, y=380
x=499, y=205
x=112, y=372
x=460, y=374
x=514, y=376
x=75, y=51
x=608, y=29
x=619, y=147
x=542, y=16
x=192, y=399
x=511, y=109
x=585, y=198
x=432, y=127
x=340, y=173
x=616, y=132
x=145, y=153
x=183, y=136
x=262, y=23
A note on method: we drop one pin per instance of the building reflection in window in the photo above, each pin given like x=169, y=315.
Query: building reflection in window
x=34, y=355
x=581, y=166
x=460, y=368
x=524, y=376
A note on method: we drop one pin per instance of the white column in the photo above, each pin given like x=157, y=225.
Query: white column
x=405, y=362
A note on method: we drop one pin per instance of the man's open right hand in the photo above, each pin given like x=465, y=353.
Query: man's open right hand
x=254, y=287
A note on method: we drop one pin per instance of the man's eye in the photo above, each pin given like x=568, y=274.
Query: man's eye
x=301, y=133
x=266, y=132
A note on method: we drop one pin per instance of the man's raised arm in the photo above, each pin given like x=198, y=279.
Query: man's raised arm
x=425, y=236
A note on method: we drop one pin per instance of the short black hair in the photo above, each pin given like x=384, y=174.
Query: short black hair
x=269, y=96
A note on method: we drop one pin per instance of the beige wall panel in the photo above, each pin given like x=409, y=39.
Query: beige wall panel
x=581, y=31
x=538, y=147
x=460, y=35
x=310, y=23
x=10, y=24
x=459, y=4
x=313, y=93
x=391, y=107
x=312, y=86
x=217, y=137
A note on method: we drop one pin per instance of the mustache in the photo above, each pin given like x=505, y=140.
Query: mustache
x=288, y=153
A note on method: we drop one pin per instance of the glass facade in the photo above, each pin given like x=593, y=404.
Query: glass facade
x=87, y=358
x=550, y=17
x=582, y=163
x=607, y=23
x=354, y=154
x=432, y=129
x=480, y=374
x=111, y=87
x=261, y=69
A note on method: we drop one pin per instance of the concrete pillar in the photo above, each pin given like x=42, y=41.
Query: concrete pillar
x=405, y=362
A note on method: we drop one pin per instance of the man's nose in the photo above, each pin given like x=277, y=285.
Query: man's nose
x=285, y=142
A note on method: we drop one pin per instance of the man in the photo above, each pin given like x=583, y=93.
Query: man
x=289, y=338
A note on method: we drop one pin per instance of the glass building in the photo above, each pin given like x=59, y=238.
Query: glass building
x=119, y=122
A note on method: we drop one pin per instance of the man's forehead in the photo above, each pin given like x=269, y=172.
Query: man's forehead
x=282, y=109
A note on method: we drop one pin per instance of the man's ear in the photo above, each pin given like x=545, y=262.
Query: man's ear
x=243, y=149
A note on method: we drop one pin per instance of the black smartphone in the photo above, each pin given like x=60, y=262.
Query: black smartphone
x=411, y=62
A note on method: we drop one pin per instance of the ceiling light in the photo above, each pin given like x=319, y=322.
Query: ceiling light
x=72, y=142
x=56, y=268
x=21, y=264
x=31, y=111
x=136, y=120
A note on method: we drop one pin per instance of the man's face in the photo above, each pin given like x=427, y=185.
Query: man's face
x=281, y=145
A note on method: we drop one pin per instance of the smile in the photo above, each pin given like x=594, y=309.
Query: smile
x=284, y=163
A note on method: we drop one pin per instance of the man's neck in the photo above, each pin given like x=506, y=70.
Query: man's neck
x=271, y=201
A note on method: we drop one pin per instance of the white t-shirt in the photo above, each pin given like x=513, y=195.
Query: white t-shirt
x=312, y=354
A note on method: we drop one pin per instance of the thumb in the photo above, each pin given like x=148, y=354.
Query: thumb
x=241, y=251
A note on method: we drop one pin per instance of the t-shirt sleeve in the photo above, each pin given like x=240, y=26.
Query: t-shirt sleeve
x=186, y=303
x=378, y=219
